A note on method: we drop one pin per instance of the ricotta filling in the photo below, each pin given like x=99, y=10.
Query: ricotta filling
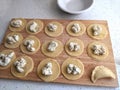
x=96, y=30
x=52, y=27
x=29, y=45
x=13, y=39
x=33, y=27
x=52, y=46
x=76, y=28
x=6, y=59
x=47, y=69
x=16, y=23
x=98, y=50
x=73, y=69
x=73, y=46
x=20, y=64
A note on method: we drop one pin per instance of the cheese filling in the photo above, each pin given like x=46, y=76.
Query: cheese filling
x=6, y=59
x=47, y=69
x=33, y=27
x=74, y=46
x=96, y=30
x=29, y=45
x=73, y=69
x=20, y=64
x=76, y=28
x=52, y=46
x=13, y=39
x=16, y=23
x=98, y=50
x=52, y=27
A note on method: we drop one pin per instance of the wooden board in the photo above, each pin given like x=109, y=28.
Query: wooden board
x=89, y=63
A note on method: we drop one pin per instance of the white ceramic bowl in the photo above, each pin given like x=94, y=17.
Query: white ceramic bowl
x=75, y=6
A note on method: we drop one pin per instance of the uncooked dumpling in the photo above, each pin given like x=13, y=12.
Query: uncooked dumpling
x=101, y=72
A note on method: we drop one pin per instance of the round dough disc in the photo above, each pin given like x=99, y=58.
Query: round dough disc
x=36, y=45
x=58, y=32
x=55, y=70
x=70, y=32
x=74, y=53
x=27, y=69
x=40, y=26
x=57, y=52
x=20, y=28
x=7, y=52
x=90, y=52
x=76, y=62
x=15, y=45
x=102, y=35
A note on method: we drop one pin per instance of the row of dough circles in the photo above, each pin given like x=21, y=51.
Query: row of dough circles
x=54, y=28
x=49, y=69
x=53, y=47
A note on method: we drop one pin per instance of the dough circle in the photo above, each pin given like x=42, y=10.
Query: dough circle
x=55, y=70
x=36, y=45
x=27, y=69
x=74, y=53
x=90, y=52
x=40, y=26
x=15, y=45
x=76, y=62
x=20, y=28
x=58, y=32
x=70, y=32
x=102, y=35
x=57, y=52
x=7, y=52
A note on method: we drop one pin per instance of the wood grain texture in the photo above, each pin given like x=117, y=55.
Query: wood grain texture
x=89, y=63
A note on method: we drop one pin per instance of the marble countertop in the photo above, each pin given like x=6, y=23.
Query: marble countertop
x=102, y=10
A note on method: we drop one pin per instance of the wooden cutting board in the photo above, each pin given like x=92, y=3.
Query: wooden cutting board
x=89, y=63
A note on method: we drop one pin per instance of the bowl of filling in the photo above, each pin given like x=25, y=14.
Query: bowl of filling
x=75, y=6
